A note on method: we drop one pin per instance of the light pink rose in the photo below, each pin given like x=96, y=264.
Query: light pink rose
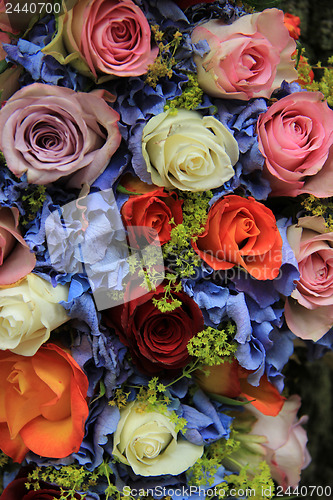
x=112, y=37
x=51, y=132
x=309, y=310
x=249, y=58
x=16, y=259
x=286, y=451
x=296, y=136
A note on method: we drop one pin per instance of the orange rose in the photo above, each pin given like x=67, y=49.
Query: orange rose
x=292, y=23
x=241, y=232
x=230, y=380
x=43, y=406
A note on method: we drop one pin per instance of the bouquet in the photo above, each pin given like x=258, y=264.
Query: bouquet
x=166, y=240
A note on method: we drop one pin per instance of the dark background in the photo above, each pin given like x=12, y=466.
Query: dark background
x=316, y=26
x=313, y=381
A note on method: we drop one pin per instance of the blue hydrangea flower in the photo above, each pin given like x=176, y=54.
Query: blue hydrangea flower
x=38, y=66
x=256, y=309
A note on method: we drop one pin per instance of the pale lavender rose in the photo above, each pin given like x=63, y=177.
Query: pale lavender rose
x=249, y=58
x=309, y=310
x=51, y=132
x=286, y=439
x=296, y=138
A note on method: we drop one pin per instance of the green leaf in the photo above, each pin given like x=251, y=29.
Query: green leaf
x=102, y=391
x=121, y=189
x=3, y=65
x=299, y=53
x=228, y=401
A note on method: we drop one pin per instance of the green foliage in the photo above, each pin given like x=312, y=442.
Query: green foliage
x=119, y=399
x=111, y=491
x=325, y=84
x=146, y=268
x=164, y=62
x=168, y=302
x=74, y=481
x=260, y=482
x=195, y=208
x=3, y=462
x=156, y=398
x=3, y=459
x=205, y=468
x=212, y=346
x=320, y=207
x=32, y=202
x=190, y=98
x=71, y=480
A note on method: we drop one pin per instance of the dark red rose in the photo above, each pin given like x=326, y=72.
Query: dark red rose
x=153, y=209
x=16, y=490
x=156, y=340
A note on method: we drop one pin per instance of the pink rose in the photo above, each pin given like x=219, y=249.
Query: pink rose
x=295, y=136
x=286, y=451
x=249, y=58
x=51, y=132
x=309, y=310
x=104, y=37
x=16, y=259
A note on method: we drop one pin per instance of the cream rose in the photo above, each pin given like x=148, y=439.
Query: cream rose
x=28, y=313
x=188, y=152
x=148, y=443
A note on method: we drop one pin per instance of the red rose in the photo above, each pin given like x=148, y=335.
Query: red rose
x=155, y=210
x=16, y=490
x=156, y=340
x=241, y=232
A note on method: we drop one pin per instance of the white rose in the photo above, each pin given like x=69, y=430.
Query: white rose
x=28, y=313
x=148, y=443
x=188, y=151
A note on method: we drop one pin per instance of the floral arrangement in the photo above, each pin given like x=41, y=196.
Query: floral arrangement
x=166, y=237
